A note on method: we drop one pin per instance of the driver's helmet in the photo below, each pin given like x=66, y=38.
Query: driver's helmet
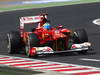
x=47, y=26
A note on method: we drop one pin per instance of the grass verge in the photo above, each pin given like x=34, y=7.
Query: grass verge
x=14, y=71
x=19, y=7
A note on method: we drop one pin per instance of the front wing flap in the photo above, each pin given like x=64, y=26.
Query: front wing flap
x=75, y=47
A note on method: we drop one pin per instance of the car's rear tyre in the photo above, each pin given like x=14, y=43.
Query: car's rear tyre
x=13, y=42
x=80, y=36
x=32, y=41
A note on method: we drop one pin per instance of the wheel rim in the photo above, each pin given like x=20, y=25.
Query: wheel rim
x=9, y=43
x=28, y=47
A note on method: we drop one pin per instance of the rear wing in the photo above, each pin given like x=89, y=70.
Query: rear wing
x=31, y=20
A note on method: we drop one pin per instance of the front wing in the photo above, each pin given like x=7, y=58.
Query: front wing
x=74, y=48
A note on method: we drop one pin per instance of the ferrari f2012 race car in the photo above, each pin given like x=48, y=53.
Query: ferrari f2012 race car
x=45, y=39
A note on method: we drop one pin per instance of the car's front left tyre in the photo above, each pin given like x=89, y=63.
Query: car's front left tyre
x=32, y=41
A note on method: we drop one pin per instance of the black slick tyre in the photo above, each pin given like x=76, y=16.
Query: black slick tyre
x=13, y=41
x=32, y=41
x=80, y=36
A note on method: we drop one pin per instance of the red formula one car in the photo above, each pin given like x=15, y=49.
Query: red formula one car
x=46, y=40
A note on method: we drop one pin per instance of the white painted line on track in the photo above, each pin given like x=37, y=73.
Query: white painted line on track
x=95, y=74
x=86, y=59
x=57, y=66
x=79, y=71
x=26, y=63
x=76, y=67
x=96, y=21
x=53, y=66
x=34, y=65
x=11, y=61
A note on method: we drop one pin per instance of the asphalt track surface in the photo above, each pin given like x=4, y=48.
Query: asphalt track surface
x=72, y=16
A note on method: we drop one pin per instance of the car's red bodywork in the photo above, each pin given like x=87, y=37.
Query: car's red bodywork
x=49, y=35
x=45, y=35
